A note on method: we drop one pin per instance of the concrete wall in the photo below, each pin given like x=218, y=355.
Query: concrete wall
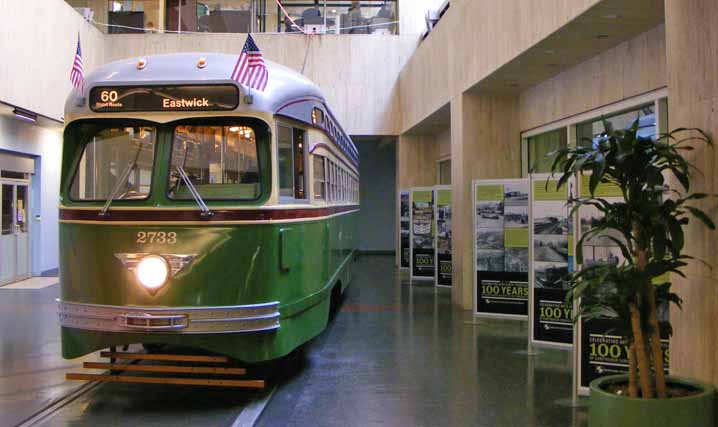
x=632, y=68
x=357, y=73
x=38, y=41
x=692, y=61
x=377, y=221
x=46, y=146
x=474, y=39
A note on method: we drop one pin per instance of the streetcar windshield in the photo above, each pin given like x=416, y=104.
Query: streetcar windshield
x=221, y=163
x=117, y=163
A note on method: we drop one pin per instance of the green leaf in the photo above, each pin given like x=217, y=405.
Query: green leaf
x=702, y=216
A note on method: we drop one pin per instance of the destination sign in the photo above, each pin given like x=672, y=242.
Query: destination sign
x=164, y=98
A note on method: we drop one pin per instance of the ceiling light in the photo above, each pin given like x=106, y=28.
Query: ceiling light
x=549, y=52
x=602, y=36
x=25, y=115
x=234, y=129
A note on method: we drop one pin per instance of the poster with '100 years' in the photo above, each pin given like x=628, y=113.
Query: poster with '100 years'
x=552, y=259
x=404, y=231
x=422, y=233
x=501, y=236
x=442, y=198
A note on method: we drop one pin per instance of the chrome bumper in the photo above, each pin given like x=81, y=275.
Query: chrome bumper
x=174, y=320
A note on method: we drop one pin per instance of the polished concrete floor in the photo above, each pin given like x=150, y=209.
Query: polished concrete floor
x=396, y=355
x=401, y=355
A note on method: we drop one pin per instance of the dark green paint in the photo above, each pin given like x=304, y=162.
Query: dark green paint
x=609, y=410
x=235, y=265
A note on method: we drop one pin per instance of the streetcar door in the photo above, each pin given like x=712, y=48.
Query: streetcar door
x=14, y=238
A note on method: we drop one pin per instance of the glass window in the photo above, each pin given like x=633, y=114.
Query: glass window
x=13, y=175
x=338, y=16
x=116, y=161
x=588, y=133
x=209, y=16
x=319, y=179
x=299, y=176
x=133, y=16
x=220, y=161
x=7, y=200
x=286, y=166
x=541, y=145
x=445, y=172
x=317, y=116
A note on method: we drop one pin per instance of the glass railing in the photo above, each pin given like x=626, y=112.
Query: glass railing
x=241, y=16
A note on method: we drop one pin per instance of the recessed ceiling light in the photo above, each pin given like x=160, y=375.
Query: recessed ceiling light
x=549, y=52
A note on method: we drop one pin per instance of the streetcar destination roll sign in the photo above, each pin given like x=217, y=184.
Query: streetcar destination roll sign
x=164, y=98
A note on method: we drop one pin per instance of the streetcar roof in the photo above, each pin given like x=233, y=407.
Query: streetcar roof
x=284, y=85
x=288, y=93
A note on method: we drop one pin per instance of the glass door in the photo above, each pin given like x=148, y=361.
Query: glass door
x=14, y=237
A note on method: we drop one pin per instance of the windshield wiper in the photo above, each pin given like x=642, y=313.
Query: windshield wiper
x=193, y=191
x=121, y=182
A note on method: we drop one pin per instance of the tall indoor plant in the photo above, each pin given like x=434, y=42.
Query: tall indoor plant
x=650, y=221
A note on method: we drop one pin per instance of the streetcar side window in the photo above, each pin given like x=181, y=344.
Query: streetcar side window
x=319, y=178
x=291, y=158
x=220, y=161
x=117, y=162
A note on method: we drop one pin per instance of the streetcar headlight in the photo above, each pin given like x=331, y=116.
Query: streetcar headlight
x=152, y=271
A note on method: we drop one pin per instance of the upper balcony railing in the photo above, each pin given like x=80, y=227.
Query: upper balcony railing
x=242, y=16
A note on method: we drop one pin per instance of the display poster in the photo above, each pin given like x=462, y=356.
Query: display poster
x=422, y=233
x=602, y=349
x=404, y=232
x=551, y=259
x=501, y=236
x=442, y=196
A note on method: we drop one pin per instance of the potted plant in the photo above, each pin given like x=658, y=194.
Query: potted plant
x=647, y=227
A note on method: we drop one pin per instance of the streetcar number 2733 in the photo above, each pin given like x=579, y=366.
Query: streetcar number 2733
x=161, y=237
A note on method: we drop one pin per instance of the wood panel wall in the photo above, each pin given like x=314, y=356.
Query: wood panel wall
x=485, y=144
x=357, y=73
x=692, y=61
x=38, y=42
x=472, y=40
x=632, y=68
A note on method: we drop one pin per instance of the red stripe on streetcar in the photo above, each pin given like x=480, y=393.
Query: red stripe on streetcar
x=219, y=215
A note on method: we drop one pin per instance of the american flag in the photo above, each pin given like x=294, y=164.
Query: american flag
x=250, y=69
x=77, y=74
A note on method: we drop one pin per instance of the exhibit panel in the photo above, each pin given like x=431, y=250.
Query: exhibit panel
x=404, y=231
x=551, y=255
x=422, y=233
x=602, y=348
x=442, y=218
x=501, y=248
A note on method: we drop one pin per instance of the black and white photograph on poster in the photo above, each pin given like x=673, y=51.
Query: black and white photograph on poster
x=502, y=293
x=404, y=205
x=490, y=238
x=589, y=216
x=551, y=248
x=405, y=241
x=516, y=260
x=490, y=260
x=553, y=319
x=550, y=217
x=423, y=242
x=422, y=233
x=516, y=216
x=550, y=275
x=490, y=215
x=516, y=193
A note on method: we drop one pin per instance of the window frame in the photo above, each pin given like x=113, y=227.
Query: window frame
x=227, y=122
x=100, y=126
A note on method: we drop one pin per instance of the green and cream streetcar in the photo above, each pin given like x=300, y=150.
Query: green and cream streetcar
x=197, y=213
